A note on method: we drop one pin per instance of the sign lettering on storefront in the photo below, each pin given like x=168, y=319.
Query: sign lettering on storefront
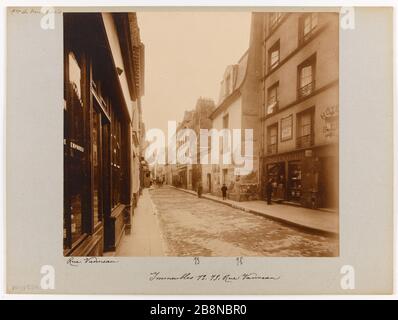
x=76, y=147
x=286, y=157
x=330, y=116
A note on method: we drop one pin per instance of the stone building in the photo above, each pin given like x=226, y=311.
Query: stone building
x=103, y=83
x=201, y=173
x=188, y=176
x=238, y=108
x=299, y=111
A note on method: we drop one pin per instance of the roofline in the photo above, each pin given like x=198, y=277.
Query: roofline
x=229, y=99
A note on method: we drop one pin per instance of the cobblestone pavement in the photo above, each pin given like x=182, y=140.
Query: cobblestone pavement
x=201, y=227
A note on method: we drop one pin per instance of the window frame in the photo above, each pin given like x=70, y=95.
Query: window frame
x=269, y=145
x=289, y=117
x=309, y=62
x=276, y=47
x=313, y=16
x=273, y=23
x=299, y=136
x=275, y=86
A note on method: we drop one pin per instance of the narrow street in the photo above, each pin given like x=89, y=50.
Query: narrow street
x=199, y=227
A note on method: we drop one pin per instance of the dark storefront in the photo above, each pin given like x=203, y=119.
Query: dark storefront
x=97, y=187
x=307, y=177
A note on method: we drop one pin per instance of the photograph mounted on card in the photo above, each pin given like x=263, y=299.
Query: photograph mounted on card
x=213, y=148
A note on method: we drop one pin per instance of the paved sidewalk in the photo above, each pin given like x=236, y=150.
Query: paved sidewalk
x=318, y=220
x=145, y=238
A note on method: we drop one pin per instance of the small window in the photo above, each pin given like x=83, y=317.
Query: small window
x=274, y=20
x=273, y=98
x=308, y=24
x=306, y=77
x=273, y=55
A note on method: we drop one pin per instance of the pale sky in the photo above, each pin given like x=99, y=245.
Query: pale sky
x=186, y=54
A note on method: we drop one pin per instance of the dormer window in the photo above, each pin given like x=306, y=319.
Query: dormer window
x=228, y=85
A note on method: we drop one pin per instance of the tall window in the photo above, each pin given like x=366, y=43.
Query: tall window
x=74, y=153
x=273, y=55
x=116, y=160
x=306, y=77
x=96, y=162
x=274, y=19
x=272, y=139
x=308, y=24
x=305, y=130
x=287, y=128
x=272, y=98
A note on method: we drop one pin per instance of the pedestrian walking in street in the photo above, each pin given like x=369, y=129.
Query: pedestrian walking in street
x=200, y=190
x=224, y=191
x=268, y=189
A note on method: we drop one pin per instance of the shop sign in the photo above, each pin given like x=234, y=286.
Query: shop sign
x=286, y=157
x=76, y=147
x=331, y=117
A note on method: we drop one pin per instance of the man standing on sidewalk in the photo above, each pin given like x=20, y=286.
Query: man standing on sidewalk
x=268, y=190
x=200, y=190
x=224, y=191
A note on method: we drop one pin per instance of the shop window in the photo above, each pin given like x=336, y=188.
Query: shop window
x=306, y=77
x=272, y=139
x=305, y=130
x=274, y=19
x=273, y=98
x=273, y=56
x=96, y=167
x=287, y=128
x=116, y=159
x=74, y=154
x=276, y=172
x=308, y=24
x=294, y=181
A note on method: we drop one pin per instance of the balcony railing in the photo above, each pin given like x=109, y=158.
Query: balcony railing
x=306, y=90
x=305, y=141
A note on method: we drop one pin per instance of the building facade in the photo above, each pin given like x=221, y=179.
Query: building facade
x=103, y=83
x=182, y=172
x=238, y=108
x=201, y=173
x=300, y=107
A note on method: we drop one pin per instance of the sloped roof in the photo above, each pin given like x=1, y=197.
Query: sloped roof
x=237, y=73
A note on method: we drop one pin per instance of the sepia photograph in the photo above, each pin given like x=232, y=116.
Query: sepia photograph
x=201, y=134
x=202, y=151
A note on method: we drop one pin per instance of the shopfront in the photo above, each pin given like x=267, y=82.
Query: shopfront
x=97, y=188
x=308, y=177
